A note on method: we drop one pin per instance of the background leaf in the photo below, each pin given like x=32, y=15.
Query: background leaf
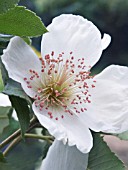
x=22, y=22
x=4, y=117
x=7, y=4
x=23, y=113
x=101, y=158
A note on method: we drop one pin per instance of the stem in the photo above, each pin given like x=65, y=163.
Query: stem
x=17, y=133
x=10, y=138
x=12, y=144
x=29, y=135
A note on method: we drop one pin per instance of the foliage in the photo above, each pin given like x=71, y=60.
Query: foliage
x=7, y=4
x=101, y=157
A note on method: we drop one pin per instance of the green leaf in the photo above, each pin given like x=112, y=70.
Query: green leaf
x=101, y=158
x=22, y=110
x=22, y=22
x=14, y=88
x=2, y=159
x=27, y=40
x=6, y=166
x=1, y=83
x=7, y=4
x=4, y=119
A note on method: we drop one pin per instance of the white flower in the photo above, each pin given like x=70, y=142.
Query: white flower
x=68, y=101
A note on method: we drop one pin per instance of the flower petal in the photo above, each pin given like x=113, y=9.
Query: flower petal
x=64, y=157
x=105, y=41
x=18, y=59
x=70, y=33
x=70, y=128
x=108, y=110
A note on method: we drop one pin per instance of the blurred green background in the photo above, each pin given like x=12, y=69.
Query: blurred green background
x=110, y=16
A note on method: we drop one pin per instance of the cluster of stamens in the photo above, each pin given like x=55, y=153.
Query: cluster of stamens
x=60, y=86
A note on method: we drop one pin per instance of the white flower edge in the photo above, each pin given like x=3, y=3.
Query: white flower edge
x=73, y=33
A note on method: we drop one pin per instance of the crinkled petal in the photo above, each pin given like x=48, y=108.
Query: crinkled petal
x=70, y=33
x=18, y=59
x=108, y=110
x=70, y=128
x=64, y=157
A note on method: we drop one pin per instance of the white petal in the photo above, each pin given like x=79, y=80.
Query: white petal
x=18, y=59
x=70, y=33
x=70, y=128
x=108, y=110
x=64, y=157
x=105, y=41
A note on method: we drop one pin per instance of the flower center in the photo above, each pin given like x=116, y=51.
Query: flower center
x=61, y=84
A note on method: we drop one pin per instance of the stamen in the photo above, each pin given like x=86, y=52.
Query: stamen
x=62, y=84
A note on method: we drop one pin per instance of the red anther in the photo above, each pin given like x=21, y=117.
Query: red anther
x=42, y=70
x=62, y=116
x=93, y=86
x=71, y=52
x=25, y=79
x=82, y=110
x=49, y=113
x=30, y=71
x=47, y=57
x=72, y=71
x=52, y=54
x=60, y=55
x=51, y=116
x=29, y=87
x=72, y=58
x=38, y=97
x=56, y=118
